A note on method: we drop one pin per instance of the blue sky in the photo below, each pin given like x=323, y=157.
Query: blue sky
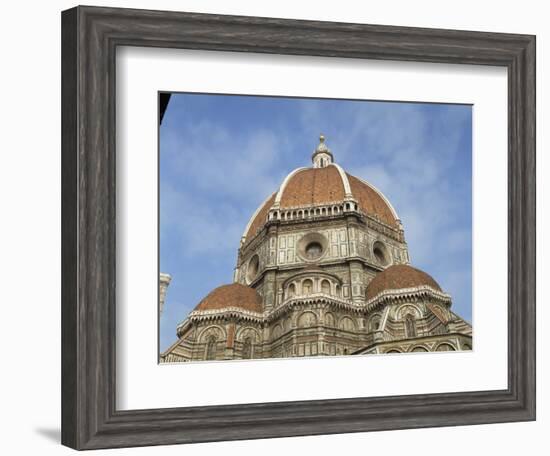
x=221, y=156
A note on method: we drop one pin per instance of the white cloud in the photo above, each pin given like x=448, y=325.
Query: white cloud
x=218, y=161
x=197, y=227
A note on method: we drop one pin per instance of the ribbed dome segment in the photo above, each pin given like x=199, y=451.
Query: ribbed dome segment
x=313, y=186
x=232, y=295
x=370, y=201
x=400, y=276
x=260, y=218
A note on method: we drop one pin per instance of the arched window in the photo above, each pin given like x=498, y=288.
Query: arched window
x=325, y=287
x=277, y=331
x=445, y=348
x=307, y=287
x=375, y=323
x=330, y=320
x=410, y=325
x=347, y=324
x=247, y=348
x=291, y=291
x=307, y=320
x=419, y=349
x=211, y=348
x=338, y=290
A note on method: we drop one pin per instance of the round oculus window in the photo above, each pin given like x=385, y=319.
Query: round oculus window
x=314, y=250
x=312, y=247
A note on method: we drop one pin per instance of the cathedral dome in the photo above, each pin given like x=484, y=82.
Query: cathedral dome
x=232, y=295
x=400, y=276
x=324, y=183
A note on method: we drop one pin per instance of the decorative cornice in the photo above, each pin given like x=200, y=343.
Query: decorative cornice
x=228, y=312
x=401, y=293
x=225, y=311
x=237, y=312
x=369, y=220
x=314, y=298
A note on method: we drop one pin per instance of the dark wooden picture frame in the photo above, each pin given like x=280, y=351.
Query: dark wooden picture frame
x=90, y=37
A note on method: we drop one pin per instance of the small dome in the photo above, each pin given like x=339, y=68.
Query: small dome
x=400, y=276
x=232, y=295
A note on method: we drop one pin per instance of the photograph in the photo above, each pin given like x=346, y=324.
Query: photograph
x=297, y=227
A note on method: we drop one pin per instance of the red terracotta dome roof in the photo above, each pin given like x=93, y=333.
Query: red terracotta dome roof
x=313, y=186
x=400, y=276
x=232, y=295
x=370, y=201
x=260, y=217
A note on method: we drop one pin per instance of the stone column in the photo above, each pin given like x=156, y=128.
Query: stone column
x=321, y=332
x=164, y=281
x=270, y=292
x=356, y=275
x=230, y=343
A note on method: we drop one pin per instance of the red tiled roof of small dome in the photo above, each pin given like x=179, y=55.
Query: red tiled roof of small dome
x=232, y=295
x=397, y=277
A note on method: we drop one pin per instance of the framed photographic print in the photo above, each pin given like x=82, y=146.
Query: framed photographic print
x=338, y=220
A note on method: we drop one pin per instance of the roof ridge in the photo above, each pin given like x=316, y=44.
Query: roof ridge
x=380, y=194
